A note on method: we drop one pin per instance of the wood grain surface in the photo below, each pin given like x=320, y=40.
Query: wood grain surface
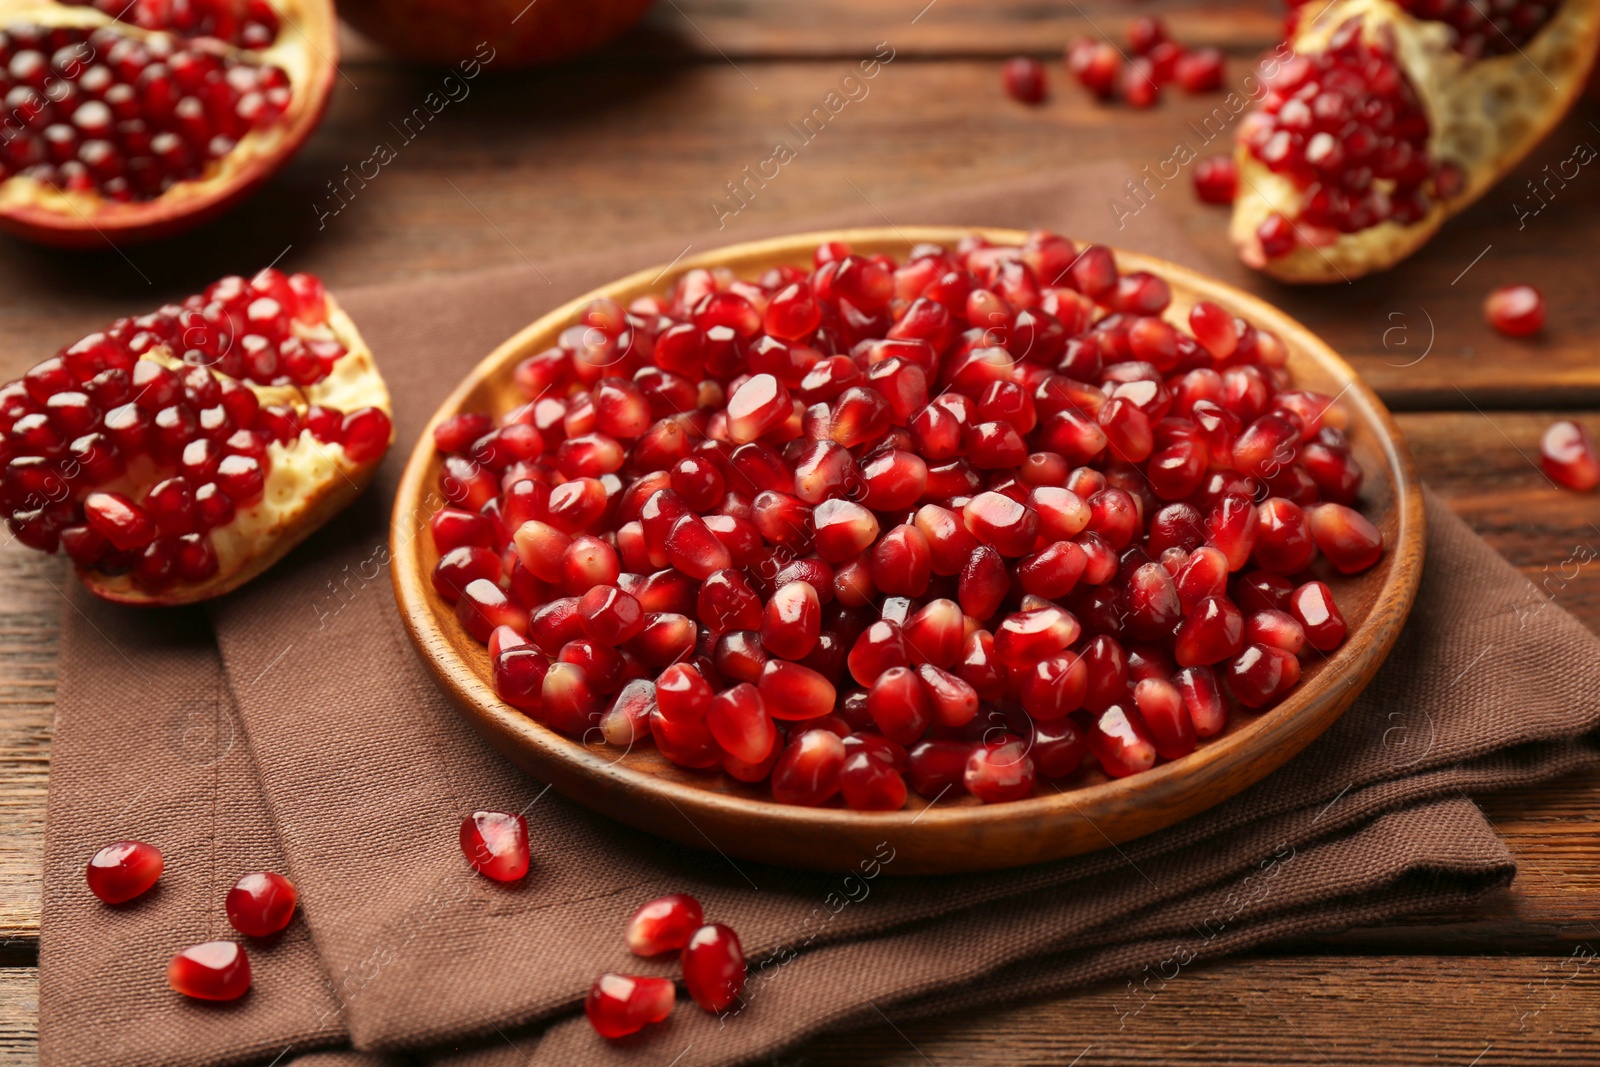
x=529, y=166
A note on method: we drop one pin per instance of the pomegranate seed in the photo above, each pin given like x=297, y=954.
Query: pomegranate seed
x=983, y=584
x=713, y=964
x=484, y=605
x=807, y=773
x=1121, y=742
x=792, y=621
x=1054, y=685
x=619, y=1004
x=609, y=615
x=1165, y=716
x=1139, y=86
x=1313, y=607
x=1568, y=456
x=260, y=903
x=1202, y=699
x=123, y=870
x=496, y=844
x=900, y=705
x=1275, y=628
x=664, y=924
x=868, y=783
x=215, y=970
x=1028, y=636
x=1283, y=540
x=902, y=562
x=1515, y=310
x=1199, y=71
x=1212, y=632
x=1345, y=537
x=739, y=721
x=1008, y=525
x=1001, y=772
x=794, y=691
x=1260, y=675
x=843, y=529
x=1024, y=80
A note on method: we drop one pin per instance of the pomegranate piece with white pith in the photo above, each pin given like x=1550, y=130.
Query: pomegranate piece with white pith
x=137, y=118
x=825, y=528
x=175, y=455
x=1380, y=121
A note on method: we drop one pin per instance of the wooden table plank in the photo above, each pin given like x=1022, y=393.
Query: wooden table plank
x=943, y=28
x=1333, y=1011
x=529, y=166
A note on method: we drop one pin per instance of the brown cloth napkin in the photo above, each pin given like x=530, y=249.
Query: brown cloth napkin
x=292, y=727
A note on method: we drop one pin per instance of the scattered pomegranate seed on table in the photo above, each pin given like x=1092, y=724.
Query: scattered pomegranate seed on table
x=978, y=518
x=496, y=844
x=124, y=870
x=1515, y=310
x=1157, y=61
x=713, y=967
x=664, y=924
x=215, y=970
x=261, y=903
x=1567, y=454
x=1216, y=179
x=622, y=1004
x=1025, y=80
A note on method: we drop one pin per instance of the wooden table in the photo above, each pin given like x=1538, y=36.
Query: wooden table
x=534, y=165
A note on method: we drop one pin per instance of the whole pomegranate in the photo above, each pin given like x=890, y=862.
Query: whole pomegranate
x=517, y=33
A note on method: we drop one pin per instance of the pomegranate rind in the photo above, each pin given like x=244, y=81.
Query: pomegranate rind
x=1484, y=116
x=307, y=49
x=309, y=482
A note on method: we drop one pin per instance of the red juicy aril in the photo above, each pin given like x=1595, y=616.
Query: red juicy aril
x=135, y=118
x=261, y=903
x=124, y=870
x=956, y=524
x=215, y=970
x=1380, y=121
x=173, y=456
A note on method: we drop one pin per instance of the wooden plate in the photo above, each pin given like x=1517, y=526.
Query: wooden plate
x=1089, y=811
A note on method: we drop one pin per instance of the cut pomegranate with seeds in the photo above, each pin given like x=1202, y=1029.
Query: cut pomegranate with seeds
x=261, y=903
x=215, y=970
x=1376, y=124
x=1025, y=80
x=713, y=965
x=621, y=1004
x=1515, y=310
x=1567, y=454
x=857, y=527
x=139, y=120
x=664, y=924
x=124, y=870
x=496, y=844
x=180, y=482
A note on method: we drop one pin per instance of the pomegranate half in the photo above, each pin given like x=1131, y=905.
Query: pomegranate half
x=131, y=119
x=176, y=455
x=1387, y=118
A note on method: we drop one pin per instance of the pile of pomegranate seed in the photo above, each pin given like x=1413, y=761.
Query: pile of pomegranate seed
x=259, y=904
x=1482, y=29
x=1157, y=61
x=127, y=117
x=1568, y=456
x=950, y=524
x=1025, y=80
x=1347, y=127
x=252, y=24
x=710, y=956
x=1515, y=310
x=84, y=429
